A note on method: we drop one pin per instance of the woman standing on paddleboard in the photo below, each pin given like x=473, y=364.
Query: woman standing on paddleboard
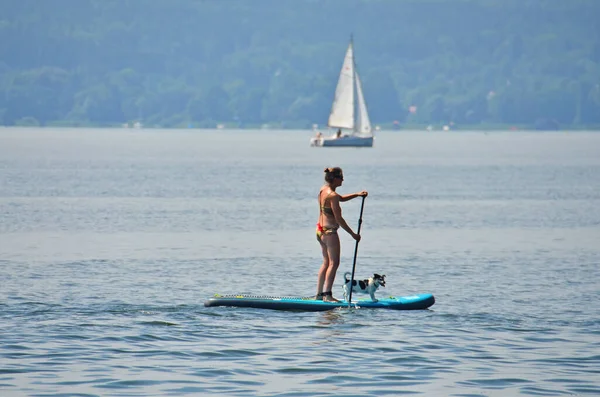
x=330, y=220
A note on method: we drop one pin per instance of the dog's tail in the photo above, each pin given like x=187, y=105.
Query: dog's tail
x=346, y=276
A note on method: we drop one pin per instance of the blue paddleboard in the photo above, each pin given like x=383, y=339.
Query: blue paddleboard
x=412, y=302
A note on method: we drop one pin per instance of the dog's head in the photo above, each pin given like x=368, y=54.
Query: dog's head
x=379, y=279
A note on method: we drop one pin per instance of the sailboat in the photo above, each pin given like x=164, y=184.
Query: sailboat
x=349, y=110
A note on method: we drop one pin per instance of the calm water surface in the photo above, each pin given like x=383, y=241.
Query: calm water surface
x=111, y=240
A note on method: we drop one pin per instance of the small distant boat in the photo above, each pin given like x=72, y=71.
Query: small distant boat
x=346, y=111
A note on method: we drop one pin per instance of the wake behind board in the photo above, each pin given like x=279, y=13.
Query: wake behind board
x=412, y=302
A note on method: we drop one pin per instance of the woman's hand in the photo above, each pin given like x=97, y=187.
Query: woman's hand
x=364, y=193
x=356, y=237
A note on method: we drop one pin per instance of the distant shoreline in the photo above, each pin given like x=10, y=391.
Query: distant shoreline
x=324, y=129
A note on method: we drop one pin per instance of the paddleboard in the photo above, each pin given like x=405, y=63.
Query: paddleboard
x=412, y=302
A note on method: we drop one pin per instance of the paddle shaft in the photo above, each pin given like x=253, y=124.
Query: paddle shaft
x=362, y=206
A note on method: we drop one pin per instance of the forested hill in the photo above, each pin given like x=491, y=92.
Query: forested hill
x=250, y=62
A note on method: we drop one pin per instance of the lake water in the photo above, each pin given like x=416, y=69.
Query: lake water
x=111, y=240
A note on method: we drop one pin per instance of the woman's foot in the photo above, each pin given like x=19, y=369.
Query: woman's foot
x=328, y=297
x=319, y=296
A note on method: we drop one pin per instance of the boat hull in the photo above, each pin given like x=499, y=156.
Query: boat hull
x=412, y=302
x=345, y=141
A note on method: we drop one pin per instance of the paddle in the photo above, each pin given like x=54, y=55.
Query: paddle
x=362, y=205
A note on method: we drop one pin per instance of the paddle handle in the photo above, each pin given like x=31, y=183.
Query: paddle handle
x=362, y=206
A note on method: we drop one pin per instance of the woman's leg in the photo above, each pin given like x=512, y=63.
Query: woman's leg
x=323, y=269
x=332, y=242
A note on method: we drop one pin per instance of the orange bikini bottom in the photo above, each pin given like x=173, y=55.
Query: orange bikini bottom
x=325, y=231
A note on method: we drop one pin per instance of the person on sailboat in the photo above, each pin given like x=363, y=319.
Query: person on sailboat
x=338, y=134
x=330, y=220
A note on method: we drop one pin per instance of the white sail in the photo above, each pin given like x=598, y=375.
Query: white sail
x=342, y=111
x=363, y=124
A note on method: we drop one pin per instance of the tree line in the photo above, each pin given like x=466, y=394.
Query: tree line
x=248, y=63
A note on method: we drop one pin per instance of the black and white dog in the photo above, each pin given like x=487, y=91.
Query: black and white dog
x=366, y=286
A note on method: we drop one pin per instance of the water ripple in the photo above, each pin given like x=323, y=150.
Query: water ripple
x=109, y=253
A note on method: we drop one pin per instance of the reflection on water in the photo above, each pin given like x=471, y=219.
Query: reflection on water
x=331, y=317
x=330, y=325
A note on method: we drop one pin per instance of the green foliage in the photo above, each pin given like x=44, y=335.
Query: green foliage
x=27, y=122
x=248, y=63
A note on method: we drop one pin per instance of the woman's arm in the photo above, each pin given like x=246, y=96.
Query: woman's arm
x=353, y=195
x=334, y=201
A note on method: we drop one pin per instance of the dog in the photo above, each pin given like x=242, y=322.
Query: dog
x=366, y=286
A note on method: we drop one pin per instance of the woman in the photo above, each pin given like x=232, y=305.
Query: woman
x=330, y=219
